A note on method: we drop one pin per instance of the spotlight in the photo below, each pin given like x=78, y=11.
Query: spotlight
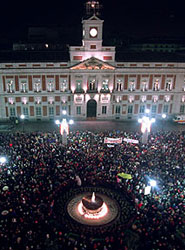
x=153, y=183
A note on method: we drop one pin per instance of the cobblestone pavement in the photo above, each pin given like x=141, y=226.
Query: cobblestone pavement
x=96, y=126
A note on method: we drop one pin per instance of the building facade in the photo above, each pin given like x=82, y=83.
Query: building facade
x=91, y=84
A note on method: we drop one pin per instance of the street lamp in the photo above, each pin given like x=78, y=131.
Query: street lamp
x=2, y=160
x=64, y=128
x=22, y=118
x=153, y=183
x=146, y=123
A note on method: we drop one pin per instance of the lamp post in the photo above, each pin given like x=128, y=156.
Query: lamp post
x=2, y=160
x=146, y=123
x=22, y=118
x=64, y=128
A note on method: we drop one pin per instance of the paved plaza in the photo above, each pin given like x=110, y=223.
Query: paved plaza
x=94, y=125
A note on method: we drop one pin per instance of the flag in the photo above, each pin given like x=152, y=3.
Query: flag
x=125, y=176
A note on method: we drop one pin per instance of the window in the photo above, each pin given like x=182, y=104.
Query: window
x=144, y=85
x=154, y=109
x=78, y=110
x=78, y=85
x=142, y=109
x=51, y=111
x=165, y=109
x=24, y=86
x=105, y=85
x=64, y=108
x=25, y=111
x=50, y=86
x=118, y=109
x=63, y=85
x=119, y=85
x=156, y=85
x=92, y=83
x=131, y=85
x=155, y=98
x=93, y=46
x=104, y=110
x=167, y=98
x=143, y=98
x=12, y=112
x=169, y=85
x=38, y=111
x=130, y=109
x=37, y=85
x=131, y=98
x=10, y=87
x=182, y=109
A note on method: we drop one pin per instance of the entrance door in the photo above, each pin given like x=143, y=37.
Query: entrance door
x=91, y=108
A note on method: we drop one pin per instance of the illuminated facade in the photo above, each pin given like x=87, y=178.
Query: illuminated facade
x=92, y=84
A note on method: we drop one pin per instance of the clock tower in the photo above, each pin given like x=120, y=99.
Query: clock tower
x=92, y=33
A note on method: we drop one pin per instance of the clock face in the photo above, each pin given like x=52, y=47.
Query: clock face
x=93, y=32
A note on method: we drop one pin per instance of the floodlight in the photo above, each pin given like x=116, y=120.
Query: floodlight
x=153, y=183
x=57, y=122
x=140, y=120
x=64, y=112
x=71, y=122
x=163, y=116
x=22, y=116
x=147, y=111
x=152, y=120
x=2, y=160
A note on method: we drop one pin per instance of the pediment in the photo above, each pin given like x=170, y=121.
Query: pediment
x=94, y=17
x=93, y=64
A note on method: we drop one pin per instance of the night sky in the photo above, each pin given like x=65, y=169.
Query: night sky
x=126, y=18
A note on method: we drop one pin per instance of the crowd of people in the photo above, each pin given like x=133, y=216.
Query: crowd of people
x=39, y=168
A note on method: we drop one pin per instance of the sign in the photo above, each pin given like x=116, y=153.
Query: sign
x=125, y=176
x=130, y=140
x=112, y=140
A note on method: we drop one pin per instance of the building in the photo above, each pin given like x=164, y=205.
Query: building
x=93, y=82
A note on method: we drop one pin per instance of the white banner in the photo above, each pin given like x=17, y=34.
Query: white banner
x=147, y=190
x=130, y=140
x=112, y=140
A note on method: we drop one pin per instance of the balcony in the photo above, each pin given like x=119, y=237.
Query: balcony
x=104, y=91
x=92, y=91
x=79, y=91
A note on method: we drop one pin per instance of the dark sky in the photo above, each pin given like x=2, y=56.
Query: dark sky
x=128, y=17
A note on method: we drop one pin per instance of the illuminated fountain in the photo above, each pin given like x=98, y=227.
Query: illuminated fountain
x=92, y=207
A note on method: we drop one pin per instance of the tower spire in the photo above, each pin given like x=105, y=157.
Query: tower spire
x=92, y=8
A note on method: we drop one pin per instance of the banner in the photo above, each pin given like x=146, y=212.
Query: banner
x=147, y=190
x=112, y=140
x=130, y=140
x=125, y=176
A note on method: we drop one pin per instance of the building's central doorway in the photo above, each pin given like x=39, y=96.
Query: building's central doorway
x=91, y=108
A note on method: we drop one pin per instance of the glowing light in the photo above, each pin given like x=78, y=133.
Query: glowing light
x=93, y=197
x=163, y=116
x=64, y=127
x=147, y=111
x=22, y=117
x=71, y=122
x=94, y=216
x=153, y=183
x=57, y=122
x=140, y=120
x=2, y=160
x=152, y=120
x=64, y=112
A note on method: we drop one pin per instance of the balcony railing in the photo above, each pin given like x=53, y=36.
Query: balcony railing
x=92, y=91
x=79, y=91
